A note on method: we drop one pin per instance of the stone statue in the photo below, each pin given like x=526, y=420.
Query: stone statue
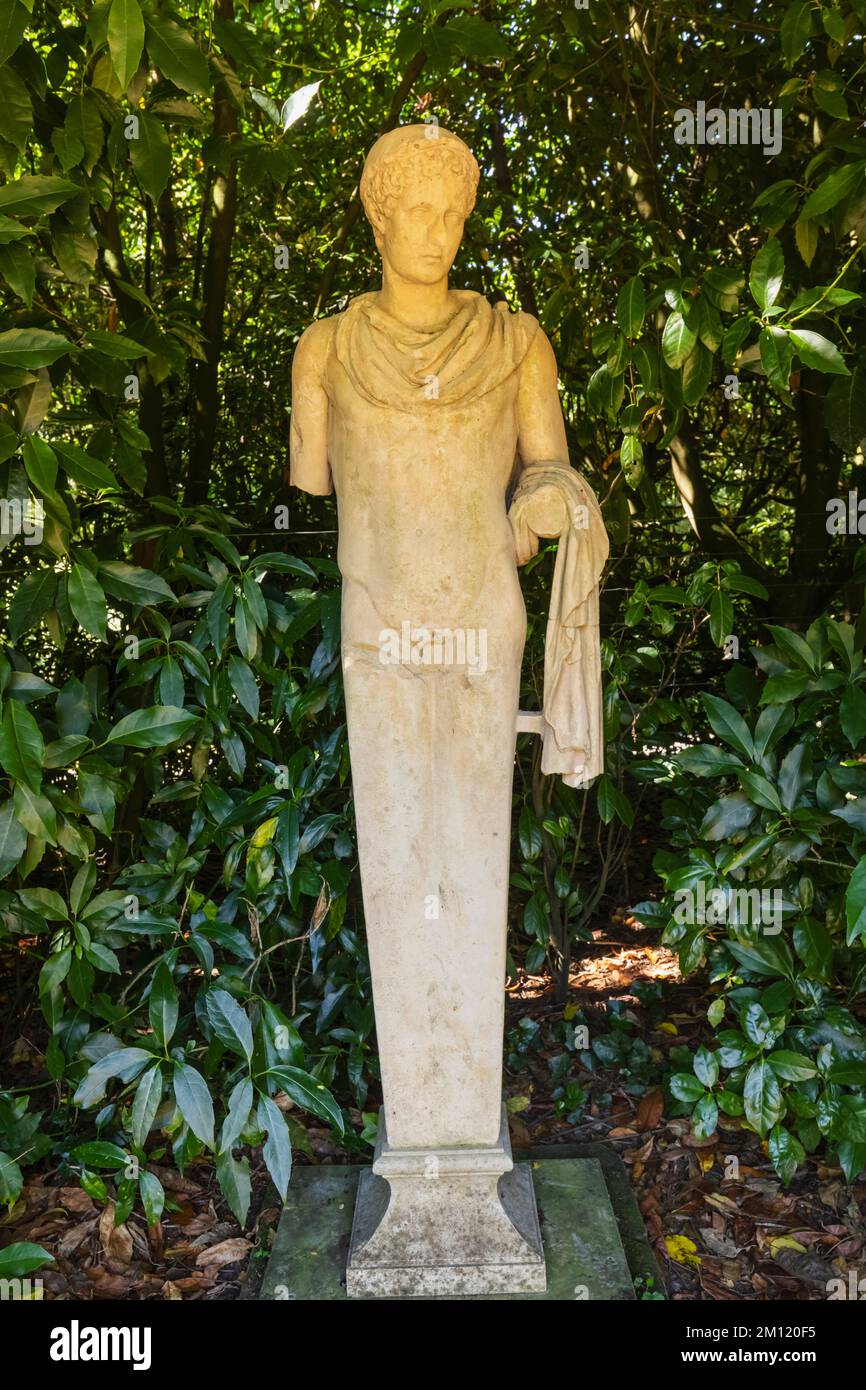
x=420, y=406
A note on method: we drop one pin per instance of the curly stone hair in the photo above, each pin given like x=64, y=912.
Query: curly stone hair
x=409, y=149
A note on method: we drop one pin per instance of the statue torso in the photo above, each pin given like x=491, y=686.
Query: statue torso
x=420, y=488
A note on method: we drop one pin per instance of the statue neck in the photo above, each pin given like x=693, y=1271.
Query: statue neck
x=425, y=308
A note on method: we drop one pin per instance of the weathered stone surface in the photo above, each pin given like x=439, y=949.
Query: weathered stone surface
x=435, y=418
x=584, y=1255
x=446, y=1221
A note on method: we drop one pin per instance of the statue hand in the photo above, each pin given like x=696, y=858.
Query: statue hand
x=538, y=510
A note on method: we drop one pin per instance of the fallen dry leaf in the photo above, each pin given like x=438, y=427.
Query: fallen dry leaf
x=650, y=1110
x=116, y=1241
x=228, y=1252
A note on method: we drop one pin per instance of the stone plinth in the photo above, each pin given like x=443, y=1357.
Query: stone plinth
x=430, y=1222
x=584, y=1219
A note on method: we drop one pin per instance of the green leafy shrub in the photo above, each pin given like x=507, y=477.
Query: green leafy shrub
x=765, y=884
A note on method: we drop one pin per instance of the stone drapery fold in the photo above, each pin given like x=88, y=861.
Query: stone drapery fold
x=573, y=736
x=407, y=369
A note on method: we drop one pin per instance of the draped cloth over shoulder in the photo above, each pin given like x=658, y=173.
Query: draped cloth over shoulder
x=403, y=368
x=573, y=737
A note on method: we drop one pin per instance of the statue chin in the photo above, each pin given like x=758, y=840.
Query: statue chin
x=419, y=274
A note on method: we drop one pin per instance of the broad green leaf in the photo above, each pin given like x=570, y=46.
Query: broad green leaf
x=151, y=155
x=760, y=790
x=155, y=727
x=776, y=356
x=855, y=903
x=794, y=774
x=45, y=903
x=125, y=39
x=55, y=970
x=13, y=839
x=36, y=813
x=612, y=802
x=786, y=1153
x=85, y=470
x=309, y=1094
x=61, y=752
x=82, y=887
x=148, y=1095
x=845, y=410
x=87, y=601
x=706, y=1065
x=116, y=345
x=852, y=714
x=774, y=721
x=727, y=816
x=237, y=1114
x=194, y=1101
x=40, y=461
x=852, y=1160
x=229, y=1022
x=697, y=373
x=132, y=583
x=14, y=20
x=678, y=340
x=729, y=724
x=792, y=1066
x=21, y=746
x=756, y=1025
x=795, y=30
x=833, y=189
x=277, y=1148
x=762, y=1097
x=171, y=686
x=721, y=617
x=233, y=1175
x=31, y=347
x=814, y=946
x=100, y=1154
x=123, y=1062
x=817, y=351
x=162, y=1005
x=243, y=683
x=176, y=53
x=686, y=1087
x=297, y=105
x=708, y=760
x=33, y=597
x=35, y=195
x=705, y=1117
x=767, y=274
x=22, y=1257
x=17, y=266
x=150, y=1189
x=529, y=834
x=631, y=307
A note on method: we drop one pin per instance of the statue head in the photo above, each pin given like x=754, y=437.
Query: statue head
x=418, y=188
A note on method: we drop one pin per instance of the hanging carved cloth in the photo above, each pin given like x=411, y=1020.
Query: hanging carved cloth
x=573, y=736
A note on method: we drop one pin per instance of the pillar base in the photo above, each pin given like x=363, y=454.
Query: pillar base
x=437, y=1222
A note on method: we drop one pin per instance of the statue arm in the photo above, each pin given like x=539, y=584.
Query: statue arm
x=538, y=510
x=310, y=470
x=540, y=426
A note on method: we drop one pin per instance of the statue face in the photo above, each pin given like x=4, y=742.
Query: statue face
x=422, y=235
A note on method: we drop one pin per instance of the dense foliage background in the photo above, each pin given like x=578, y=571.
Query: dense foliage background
x=180, y=921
